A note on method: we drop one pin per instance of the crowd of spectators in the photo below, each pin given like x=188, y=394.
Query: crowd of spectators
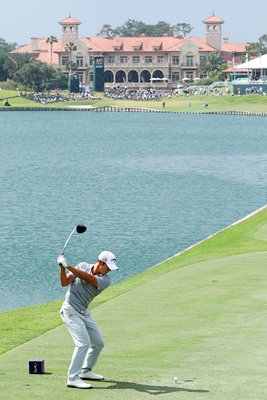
x=254, y=90
x=45, y=98
x=124, y=93
x=203, y=90
x=84, y=96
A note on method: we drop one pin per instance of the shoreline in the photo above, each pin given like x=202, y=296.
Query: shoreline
x=132, y=109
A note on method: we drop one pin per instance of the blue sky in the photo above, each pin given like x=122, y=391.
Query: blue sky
x=22, y=19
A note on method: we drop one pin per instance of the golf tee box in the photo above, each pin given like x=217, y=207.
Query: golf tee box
x=36, y=367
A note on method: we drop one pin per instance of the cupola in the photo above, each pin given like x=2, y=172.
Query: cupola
x=70, y=30
x=214, y=31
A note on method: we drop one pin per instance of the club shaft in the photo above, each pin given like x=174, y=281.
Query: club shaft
x=65, y=245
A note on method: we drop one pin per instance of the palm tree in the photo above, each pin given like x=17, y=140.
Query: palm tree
x=51, y=40
x=69, y=48
x=213, y=62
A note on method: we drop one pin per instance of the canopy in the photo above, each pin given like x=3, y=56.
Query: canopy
x=159, y=79
x=256, y=63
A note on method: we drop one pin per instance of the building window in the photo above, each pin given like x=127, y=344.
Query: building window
x=203, y=60
x=190, y=76
x=175, y=60
x=123, y=59
x=148, y=60
x=203, y=75
x=175, y=76
x=80, y=77
x=111, y=60
x=79, y=61
x=189, y=61
x=160, y=59
x=136, y=59
x=65, y=60
x=91, y=76
x=91, y=60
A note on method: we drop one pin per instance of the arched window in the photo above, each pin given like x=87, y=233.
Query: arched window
x=120, y=77
x=108, y=76
x=158, y=74
x=133, y=76
x=145, y=76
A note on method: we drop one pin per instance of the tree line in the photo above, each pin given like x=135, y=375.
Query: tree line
x=255, y=49
x=133, y=28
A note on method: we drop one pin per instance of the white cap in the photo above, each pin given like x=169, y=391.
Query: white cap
x=108, y=258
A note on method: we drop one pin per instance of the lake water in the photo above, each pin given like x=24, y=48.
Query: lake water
x=146, y=185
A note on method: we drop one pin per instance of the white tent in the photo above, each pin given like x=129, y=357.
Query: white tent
x=256, y=63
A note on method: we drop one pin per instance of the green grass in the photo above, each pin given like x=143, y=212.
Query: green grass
x=199, y=316
x=247, y=103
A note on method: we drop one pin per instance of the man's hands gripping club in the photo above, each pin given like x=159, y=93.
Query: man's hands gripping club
x=67, y=278
x=62, y=262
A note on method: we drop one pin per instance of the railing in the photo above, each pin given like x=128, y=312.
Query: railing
x=189, y=65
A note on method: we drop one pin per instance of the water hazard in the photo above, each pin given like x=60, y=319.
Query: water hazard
x=145, y=185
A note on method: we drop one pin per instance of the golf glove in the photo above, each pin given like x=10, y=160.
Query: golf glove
x=62, y=262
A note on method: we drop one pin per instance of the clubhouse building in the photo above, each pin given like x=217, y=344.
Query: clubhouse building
x=138, y=62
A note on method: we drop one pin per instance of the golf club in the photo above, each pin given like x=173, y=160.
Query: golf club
x=79, y=229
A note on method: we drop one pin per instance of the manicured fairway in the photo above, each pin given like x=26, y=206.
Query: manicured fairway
x=200, y=317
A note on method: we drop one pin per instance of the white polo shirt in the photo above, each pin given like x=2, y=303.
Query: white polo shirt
x=80, y=293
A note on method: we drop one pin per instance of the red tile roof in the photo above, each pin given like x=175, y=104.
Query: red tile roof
x=229, y=49
x=69, y=21
x=43, y=53
x=214, y=20
x=234, y=48
x=127, y=44
x=203, y=46
x=147, y=44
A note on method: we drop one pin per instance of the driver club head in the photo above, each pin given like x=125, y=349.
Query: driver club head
x=80, y=228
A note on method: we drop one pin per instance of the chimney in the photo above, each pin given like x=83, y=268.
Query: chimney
x=225, y=40
x=175, y=32
x=104, y=33
x=35, y=41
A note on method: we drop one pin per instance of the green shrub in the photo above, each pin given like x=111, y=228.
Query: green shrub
x=11, y=85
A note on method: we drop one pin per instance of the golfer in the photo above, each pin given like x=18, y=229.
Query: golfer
x=85, y=282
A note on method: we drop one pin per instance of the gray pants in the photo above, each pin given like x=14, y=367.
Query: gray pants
x=87, y=339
